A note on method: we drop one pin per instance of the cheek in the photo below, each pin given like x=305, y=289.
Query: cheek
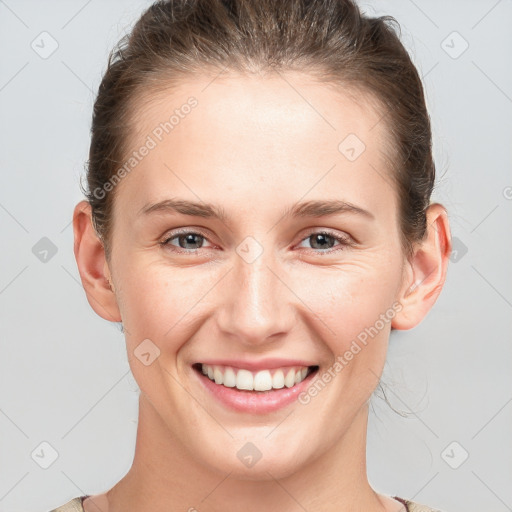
x=160, y=306
x=157, y=305
x=163, y=304
x=348, y=301
x=353, y=312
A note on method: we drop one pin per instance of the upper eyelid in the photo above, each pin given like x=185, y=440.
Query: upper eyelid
x=343, y=240
x=194, y=231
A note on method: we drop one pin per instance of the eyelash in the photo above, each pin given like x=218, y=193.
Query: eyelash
x=344, y=241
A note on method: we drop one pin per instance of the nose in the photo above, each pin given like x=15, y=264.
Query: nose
x=257, y=307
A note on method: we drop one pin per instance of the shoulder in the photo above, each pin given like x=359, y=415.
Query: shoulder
x=412, y=506
x=74, y=505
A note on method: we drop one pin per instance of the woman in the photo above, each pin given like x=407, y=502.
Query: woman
x=258, y=216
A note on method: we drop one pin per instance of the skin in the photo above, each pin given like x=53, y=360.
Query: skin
x=254, y=146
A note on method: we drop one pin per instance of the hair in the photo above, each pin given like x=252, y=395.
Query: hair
x=330, y=40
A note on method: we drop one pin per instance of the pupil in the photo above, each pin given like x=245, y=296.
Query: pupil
x=322, y=237
x=188, y=239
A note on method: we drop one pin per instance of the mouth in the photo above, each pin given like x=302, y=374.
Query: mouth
x=263, y=381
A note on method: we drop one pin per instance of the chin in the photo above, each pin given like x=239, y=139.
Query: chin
x=258, y=460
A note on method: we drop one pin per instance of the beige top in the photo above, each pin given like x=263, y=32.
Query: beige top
x=75, y=505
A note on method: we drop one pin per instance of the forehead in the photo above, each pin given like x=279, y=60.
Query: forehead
x=244, y=104
x=251, y=134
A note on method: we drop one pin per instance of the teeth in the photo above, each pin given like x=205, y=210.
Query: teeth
x=278, y=380
x=255, y=381
x=289, y=380
x=229, y=378
x=263, y=381
x=244, y=380
x=217, y=375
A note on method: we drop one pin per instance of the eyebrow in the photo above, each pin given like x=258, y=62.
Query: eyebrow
x=304, y=209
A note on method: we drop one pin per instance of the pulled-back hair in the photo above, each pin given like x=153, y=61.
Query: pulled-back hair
x=329, y=39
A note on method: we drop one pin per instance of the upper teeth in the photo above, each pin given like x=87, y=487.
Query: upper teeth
x=257, y=381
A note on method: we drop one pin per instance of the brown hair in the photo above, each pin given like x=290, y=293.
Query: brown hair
x=330, y=39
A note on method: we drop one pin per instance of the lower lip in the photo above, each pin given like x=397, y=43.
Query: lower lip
x=256, y=402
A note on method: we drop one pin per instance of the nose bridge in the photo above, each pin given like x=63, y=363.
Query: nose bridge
x=256, y=306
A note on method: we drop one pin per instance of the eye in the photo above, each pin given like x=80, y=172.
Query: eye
x=324, y=241
x=185, y=239
x=321, y=241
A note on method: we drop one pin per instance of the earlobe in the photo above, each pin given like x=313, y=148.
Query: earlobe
x=92, y=265
x=426, y=272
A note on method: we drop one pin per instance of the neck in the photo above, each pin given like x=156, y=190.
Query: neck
x=164, y=475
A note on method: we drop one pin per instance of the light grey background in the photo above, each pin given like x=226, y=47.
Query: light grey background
x=64, y=374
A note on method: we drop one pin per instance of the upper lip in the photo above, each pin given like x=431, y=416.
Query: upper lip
x=262, y=364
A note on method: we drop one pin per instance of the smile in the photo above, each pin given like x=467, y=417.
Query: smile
x=263, y=380
x=256, y=392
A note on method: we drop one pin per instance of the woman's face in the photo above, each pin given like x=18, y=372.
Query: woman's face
x=261, y=287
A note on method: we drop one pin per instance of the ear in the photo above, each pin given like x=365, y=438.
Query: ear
x=425, y=272
x=92, y=264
